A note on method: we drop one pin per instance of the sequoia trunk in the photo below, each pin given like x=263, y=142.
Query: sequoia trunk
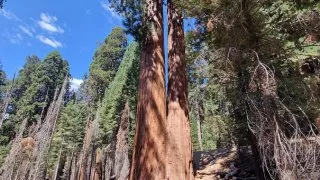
x=149, y=156
x=179, y=149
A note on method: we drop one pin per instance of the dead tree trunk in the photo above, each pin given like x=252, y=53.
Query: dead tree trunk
x=97, y=166
x=34, y=165
x=12, y=162
x=83, y=161
x=74, y=167
x=149, y=156
x=121, y=164
x=56, y=170
x=179, y=149
x=43, y=138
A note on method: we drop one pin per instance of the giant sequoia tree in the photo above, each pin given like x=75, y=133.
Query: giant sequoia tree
x=179, y=152
x=149, y=154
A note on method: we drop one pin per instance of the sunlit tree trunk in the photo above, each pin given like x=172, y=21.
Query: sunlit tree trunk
x=179, y=149
x=149, y=156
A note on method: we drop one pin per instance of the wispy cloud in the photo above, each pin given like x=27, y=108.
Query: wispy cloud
x=26, y=30
x=9, y=15
x=16, y=39
x=88, y=11
x=48, y=23
x=106, y=6
x=49, y=41
x=75, y=84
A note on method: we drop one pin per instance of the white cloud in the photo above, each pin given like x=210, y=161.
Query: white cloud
x=49, y=41
x=26, y=30
x=47, y=23
x=47, y=18
x=110, y=10
x=16, y=38
x=9, y=15
x=15, y=41
x=75, y=84
x=19, y=36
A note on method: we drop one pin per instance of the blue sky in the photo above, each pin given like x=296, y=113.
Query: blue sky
x=74, y=28
x=38, y=27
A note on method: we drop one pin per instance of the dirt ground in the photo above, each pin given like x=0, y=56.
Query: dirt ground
x=224, y=164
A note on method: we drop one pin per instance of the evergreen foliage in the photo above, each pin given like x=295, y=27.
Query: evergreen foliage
x=69, y=134
x=106, y=62
x=46, y=78
x=123, y=88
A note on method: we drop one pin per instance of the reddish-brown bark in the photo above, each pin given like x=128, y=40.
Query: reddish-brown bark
x=179, y=150
x=149, y=156
x=85, y=151
x=121, y=161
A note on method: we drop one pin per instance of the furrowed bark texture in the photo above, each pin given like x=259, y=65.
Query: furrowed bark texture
x=149, y=156
x=179, y=150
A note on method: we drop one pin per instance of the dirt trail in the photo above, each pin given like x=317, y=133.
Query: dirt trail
x=223, y=164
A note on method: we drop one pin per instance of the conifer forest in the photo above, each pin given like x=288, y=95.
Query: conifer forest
x=183, y=90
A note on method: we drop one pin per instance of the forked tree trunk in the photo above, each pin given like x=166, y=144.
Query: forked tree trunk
x=149, y=156
x=179, y=150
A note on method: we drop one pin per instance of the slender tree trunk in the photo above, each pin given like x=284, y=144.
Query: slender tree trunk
x=55, y=174
x=121, y=163
x=149, y=154
x=109, y=160
x=73, y=169
x=179, y=149
x=83, y=161
x=199, y=125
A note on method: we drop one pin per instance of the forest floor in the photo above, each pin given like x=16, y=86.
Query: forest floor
x=224, y=164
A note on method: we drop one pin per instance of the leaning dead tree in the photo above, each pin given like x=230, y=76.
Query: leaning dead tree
x=27, y=159
x=43, y=138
